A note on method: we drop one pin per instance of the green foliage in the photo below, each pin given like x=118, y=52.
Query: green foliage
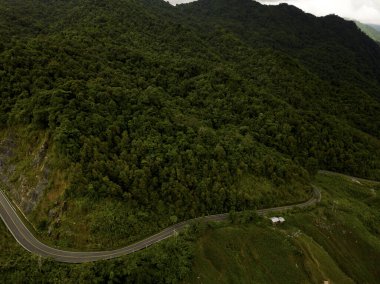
x=168, y=111
x=307, y=248
x=245, y=217
x=168, y=262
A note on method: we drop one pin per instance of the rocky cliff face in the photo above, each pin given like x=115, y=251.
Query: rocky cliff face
x=24, y=174
x=6, y=169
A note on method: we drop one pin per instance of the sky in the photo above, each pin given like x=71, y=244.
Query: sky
x=365, y=11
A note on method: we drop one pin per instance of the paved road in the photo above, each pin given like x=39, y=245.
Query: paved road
x=28, y=241
x=347, y=176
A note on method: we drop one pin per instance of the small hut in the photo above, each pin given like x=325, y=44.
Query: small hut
x=276, y=220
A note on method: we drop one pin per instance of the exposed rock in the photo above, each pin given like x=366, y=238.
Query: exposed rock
x=6, y=151
x=53, y=213
x=41, y=155
x=25, y=192
x=50, y=230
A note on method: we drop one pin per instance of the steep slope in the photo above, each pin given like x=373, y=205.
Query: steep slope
x=338, y=242
x=305, y=36
x=157, y=113
x=338, y=62
x=330, y=47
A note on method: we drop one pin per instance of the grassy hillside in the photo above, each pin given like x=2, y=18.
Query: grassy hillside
x=254, y=254
x=338, y=241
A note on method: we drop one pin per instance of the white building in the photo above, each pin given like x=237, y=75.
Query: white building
x=276, y=220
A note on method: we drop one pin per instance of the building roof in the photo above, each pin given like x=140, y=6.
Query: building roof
x=277, y=219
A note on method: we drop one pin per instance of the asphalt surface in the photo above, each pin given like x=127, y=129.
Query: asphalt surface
x=29, y=242
x=347, y=176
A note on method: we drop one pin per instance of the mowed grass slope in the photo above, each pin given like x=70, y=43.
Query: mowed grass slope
x=339, y=241
x=247, y=254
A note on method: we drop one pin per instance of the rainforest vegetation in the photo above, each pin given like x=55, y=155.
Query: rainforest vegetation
x=175, y=112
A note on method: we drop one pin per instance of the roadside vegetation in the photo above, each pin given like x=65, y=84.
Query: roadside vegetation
x=338, y=240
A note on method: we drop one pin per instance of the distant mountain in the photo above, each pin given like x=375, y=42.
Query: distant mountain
x=372, y=31
x=376, y=27
x=330, y=46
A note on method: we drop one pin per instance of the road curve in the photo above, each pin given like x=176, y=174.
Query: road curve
x=29, y=242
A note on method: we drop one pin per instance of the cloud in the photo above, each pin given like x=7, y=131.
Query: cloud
x=174, y=2
x=270, y=1
x=366, y=11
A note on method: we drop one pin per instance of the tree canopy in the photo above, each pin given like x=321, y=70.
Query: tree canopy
x=169, y=108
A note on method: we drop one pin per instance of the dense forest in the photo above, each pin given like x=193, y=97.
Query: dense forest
x=168, y=109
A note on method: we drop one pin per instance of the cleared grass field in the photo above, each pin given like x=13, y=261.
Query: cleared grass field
x=338, y=241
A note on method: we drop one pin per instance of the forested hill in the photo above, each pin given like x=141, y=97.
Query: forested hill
x=333, y=47
x=178, y=111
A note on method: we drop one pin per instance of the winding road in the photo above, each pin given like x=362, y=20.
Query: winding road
x=29, y=242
